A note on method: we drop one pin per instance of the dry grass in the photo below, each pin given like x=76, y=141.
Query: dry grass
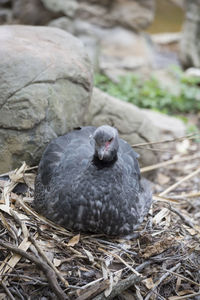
x=39, y=259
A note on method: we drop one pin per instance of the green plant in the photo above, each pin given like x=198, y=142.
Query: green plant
x=185, y=97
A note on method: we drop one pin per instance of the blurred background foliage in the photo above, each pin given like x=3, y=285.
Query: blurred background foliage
x=184, y=97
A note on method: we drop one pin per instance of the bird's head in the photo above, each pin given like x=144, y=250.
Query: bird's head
x=106, y=143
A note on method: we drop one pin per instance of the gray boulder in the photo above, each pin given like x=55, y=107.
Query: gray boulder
x=68, y=8
x=64, y=23
x=45, y=88
x=40, y=12
x=132, y=14
x=31, y=12
x=167, y=126
x=133, y=125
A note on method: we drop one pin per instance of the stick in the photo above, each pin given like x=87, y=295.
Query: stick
x=48, y=261
x=189, y=195
x=49, y=273
x=192, y=135
x=122, y=260
x=157, y=149
x=124, y=284
x=181, y=276
x=183, y=218
x=186, y=296
x=94, y=290
x=169, y=162
x=172, y=187
x=120, y=287
x=7, y=290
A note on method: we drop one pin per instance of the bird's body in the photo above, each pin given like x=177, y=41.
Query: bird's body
x=89, y=180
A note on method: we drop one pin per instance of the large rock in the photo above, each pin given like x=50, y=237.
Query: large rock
x=40, y=12
x=68, y=8
x=45, y=87
x=31, y=12
x=64, y=23
x=190, y=42
x=117, y=50
x=133, y=14
x=167, y=126
x=133, y=125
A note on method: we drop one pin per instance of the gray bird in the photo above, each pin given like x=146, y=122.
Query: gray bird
x=89, y=180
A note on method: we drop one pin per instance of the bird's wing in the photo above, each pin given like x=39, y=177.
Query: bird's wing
x=65, y=153
x=130, y=158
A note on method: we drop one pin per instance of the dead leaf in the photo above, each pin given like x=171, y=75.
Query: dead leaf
x=178, y=284
x=17, y=175
x=5, y=208
x=149, y=283
x=161, y=215
x=56, y=262
x=108, y=291
x=190, y=230
x=29, y=179
x=159, y=247
x=89, y=255
x=185, y=292
x=117, y=276
x=104, y=271
x=73, y=241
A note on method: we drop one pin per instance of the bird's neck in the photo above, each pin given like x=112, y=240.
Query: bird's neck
x=102, y=163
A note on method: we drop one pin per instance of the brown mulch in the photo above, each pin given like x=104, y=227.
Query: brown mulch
x=39, y=260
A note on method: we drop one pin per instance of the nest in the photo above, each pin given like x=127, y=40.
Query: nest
x=39, y=260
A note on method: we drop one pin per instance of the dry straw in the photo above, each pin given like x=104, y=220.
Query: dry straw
x=161, y=261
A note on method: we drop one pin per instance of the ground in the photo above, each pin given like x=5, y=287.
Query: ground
x=39, y=260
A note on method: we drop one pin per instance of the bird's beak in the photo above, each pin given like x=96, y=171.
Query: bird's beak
x=101, y=153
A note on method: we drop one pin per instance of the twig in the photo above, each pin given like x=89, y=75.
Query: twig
x=164, y=199
x=116, y=246
x=48, y=261
x=186, y=296
x=20, y=222
x=7, y=290
x=160, y=280
x=183, y=218
x=189, y=136
x=120, y=287
x=31, y=168
x=172, y=187
x=50, y=274
x=156, y=149
x=189, y=195
x=181, y=276
x=94, y=290
x=169, y=162
x=122, y=260
x=11, y=172
x=124, y=284
x=20, y=276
